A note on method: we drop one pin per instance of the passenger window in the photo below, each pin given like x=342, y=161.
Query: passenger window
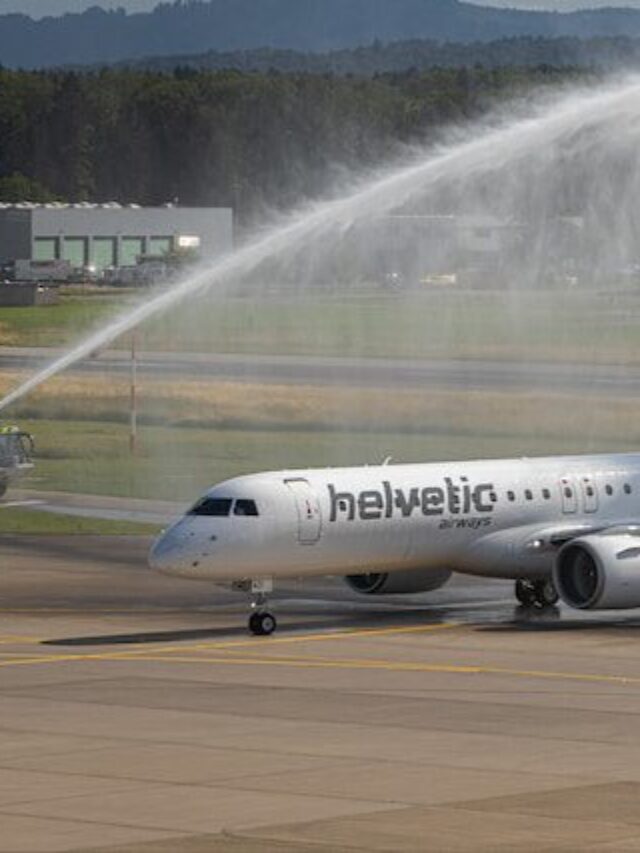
x=589, y=491
x=608, y=489
x=627, y=489
x=528, y=494
x=568, y=493
x=493, y=497
x=511, y=496
x=211, y=506
x=245, y=507
x=546, y=494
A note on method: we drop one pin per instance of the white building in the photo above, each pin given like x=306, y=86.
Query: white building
x=109, y=235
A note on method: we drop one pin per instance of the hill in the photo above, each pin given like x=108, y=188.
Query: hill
x=195, y=26
x=417, y=55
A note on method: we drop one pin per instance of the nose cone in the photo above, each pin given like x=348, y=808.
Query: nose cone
x=167, y=553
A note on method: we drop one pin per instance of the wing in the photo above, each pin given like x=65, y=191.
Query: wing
x=554, y=537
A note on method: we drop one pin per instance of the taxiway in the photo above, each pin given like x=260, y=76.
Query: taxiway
x=136, y=715
x=472, y=374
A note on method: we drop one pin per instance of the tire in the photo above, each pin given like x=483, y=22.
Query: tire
x=546, y=593
x=269, y=624
x=254, y=624
x=3, y=489
x=262, y=624
x=526, y=593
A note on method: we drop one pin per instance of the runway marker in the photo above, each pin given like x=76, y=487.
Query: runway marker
x=10, y=504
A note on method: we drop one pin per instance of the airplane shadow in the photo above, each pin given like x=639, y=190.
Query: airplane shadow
x=352, y=621
x=146, y=637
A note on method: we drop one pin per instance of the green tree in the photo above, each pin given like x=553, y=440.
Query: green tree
x=16, y=188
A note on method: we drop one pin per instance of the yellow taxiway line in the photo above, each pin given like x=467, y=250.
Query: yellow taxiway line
x=393, y=666
x=7, y=640
x=255, y=652
x=139, y=654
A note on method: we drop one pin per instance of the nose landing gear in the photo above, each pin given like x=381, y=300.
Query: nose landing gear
x=536, y=593
x=262, y=623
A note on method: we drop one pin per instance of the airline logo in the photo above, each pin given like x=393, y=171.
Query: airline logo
x=452, y=497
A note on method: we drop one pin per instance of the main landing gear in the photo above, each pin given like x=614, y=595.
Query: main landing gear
x=536, y=593
x=262, y=623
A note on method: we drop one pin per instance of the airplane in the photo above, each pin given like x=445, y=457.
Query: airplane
x=563, y=528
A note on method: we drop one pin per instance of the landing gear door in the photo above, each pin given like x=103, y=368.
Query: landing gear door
x=308, y=507
x=569, y=496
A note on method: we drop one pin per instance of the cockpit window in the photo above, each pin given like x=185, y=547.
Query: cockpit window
x=211, y=506
x=245, y=507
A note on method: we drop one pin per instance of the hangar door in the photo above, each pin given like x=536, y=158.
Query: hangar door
x=308, y=507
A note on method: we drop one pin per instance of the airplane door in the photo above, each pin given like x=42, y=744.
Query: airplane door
x=589, y=494
x=569, y=496
x=308, y=507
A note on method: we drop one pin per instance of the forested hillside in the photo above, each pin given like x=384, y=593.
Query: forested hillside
x=196, y=26
x=225, y=138
x=417, y=54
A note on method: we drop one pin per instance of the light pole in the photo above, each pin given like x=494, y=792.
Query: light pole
x=133, y=433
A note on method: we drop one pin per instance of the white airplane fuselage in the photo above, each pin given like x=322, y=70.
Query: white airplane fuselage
x=494, y=518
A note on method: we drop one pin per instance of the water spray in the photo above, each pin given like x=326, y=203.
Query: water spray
x=615, y=107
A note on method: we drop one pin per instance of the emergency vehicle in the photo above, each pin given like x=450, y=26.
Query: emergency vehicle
x=16, y=452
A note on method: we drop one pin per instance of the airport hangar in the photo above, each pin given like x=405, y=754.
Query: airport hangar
x=110, y=235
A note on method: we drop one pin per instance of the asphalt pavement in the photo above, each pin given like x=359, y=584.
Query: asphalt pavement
x=137, y=715
x=472, y=374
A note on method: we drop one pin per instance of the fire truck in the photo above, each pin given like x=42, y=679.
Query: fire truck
x=16, y=454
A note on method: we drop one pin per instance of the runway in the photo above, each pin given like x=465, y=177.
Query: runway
x=137, y=715
x=473, y=374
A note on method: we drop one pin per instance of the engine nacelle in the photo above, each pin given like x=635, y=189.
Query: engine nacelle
x=398, y=583
x=599, y=572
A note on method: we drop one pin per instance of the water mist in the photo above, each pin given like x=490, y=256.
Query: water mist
x=573, y=154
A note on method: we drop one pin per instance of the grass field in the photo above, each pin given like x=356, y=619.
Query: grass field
x=175, y=461
x=504, y=325
x=54, y=325
x=194, y=433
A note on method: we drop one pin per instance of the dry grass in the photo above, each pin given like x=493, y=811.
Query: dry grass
x=296, y=407
x=8, y=336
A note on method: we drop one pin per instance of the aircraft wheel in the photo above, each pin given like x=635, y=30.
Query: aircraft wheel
x=261, y=623
x=3, y=488
x=546, y=593
x=526, y=593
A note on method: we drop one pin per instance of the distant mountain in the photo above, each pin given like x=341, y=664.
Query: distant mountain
x=43, y=8
x=195, y=26
x=419, y=55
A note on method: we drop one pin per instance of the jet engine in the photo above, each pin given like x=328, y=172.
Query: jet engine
x=599, y=572
x=398, y=583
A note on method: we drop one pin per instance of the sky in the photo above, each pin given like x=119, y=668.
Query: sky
x=40, y=8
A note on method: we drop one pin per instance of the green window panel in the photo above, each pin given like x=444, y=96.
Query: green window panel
x=74, y=250
x=45, y=249
x=104, y=252
x=131, y=248
x=160, y=245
